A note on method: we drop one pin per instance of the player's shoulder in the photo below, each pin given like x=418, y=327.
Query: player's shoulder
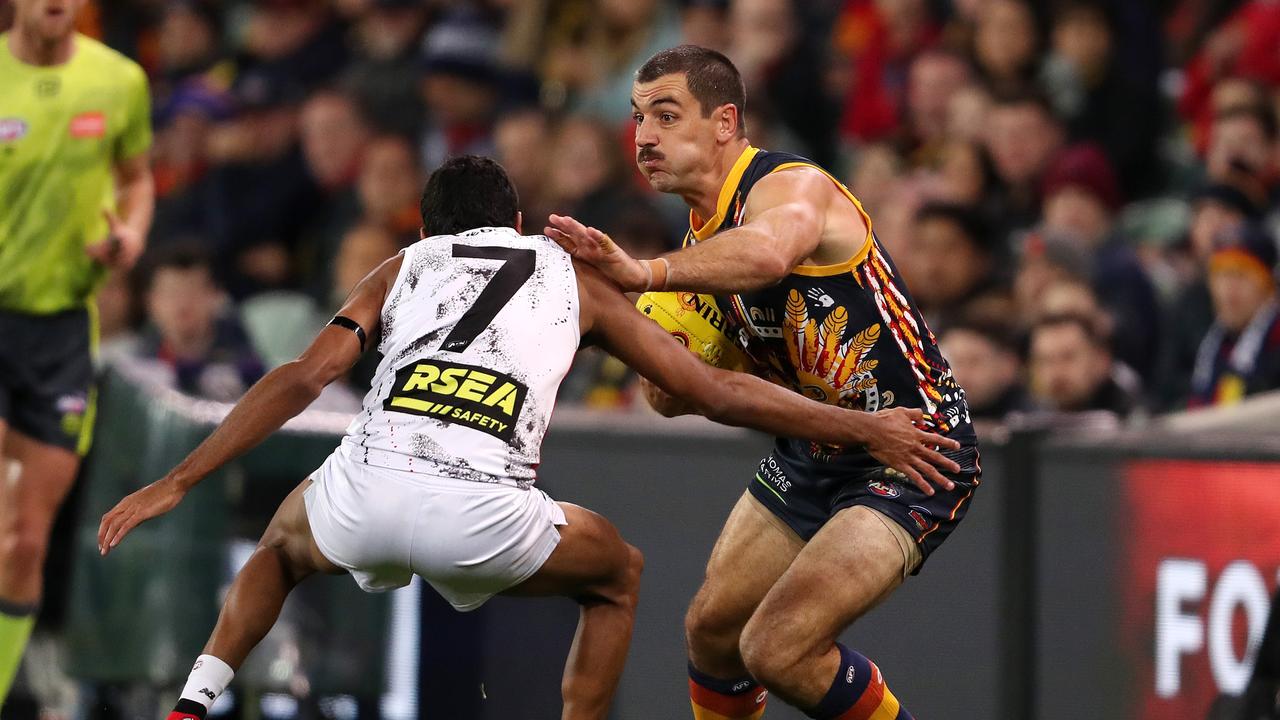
x=789, y=184
x=109, y=61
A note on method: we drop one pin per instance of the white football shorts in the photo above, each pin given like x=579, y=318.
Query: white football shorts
x=470, y=540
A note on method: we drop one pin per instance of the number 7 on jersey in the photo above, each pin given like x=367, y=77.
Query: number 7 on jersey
x=517, y=267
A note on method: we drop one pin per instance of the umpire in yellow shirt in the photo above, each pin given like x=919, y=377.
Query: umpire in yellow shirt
x=76, y=199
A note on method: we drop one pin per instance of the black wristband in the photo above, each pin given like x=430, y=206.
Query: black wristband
x=343, y=321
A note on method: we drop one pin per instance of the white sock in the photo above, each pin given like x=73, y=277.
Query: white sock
x=208, y=678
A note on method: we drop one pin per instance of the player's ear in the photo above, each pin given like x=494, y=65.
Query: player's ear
x=422, y=232
x=728, y=122
x=519, y=222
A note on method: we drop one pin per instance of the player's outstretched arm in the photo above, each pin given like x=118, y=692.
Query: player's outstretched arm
x=270, y=403
x=734, y=398
x=786, y=215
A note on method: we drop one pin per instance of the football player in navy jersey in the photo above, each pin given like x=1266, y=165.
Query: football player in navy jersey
x=823, y=533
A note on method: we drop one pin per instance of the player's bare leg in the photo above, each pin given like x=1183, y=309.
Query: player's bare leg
x=28, y=504
x=753, y=551
x=856, y=560
x=593, y=565
x=286, y=555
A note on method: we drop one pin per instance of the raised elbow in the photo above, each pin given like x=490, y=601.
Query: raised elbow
x=774, y=267
x=308, y=377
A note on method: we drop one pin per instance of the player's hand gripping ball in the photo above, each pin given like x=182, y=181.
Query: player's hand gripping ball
x=696, y=321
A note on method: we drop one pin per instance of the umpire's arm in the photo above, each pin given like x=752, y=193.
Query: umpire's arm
x=129, y=223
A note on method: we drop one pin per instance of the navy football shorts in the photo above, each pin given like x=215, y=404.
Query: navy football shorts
x=805, y=492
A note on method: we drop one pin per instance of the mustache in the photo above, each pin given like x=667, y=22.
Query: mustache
x=647, y=154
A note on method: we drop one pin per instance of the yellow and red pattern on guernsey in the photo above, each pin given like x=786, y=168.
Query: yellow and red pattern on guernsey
x=827, y=370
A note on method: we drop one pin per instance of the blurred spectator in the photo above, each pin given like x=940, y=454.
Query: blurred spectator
x=1217, y=211
x=260, y=183
x=591, y=62
x=363, y=249
x=1240, y=355
x=783, y=72
x=584, y=161
x=1071, y=296
x=187, y=199
x=188, y=40
x=585, y=179
x=389, y=186
x=1229, y=94
x=1072, y=369
x=460, y=88
x=877, y=41
x=1047, y=260
x=1242, y=147
x=932, y=84
x=1081, y=199
x=949, y=261
x=705, y=23
x=523, y=142
x=1243, y=47
x=1023, y=136
x=967, y=112
x=1099, y=101
x=876, y=169
x=965, y=175
x=385, y=71
x=1005, y=45
x=295, y=39
x=334, y=137
x=190, y=331
x=985, y=359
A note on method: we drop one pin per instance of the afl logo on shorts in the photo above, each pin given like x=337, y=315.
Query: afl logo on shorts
x=919, y=516
x=12, y=129
x=883, y=489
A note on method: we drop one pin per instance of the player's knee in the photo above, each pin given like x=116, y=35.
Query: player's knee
x=710, y=630
x=771, y=659
x=22, y=547
x=625, y=589
x=284, y=547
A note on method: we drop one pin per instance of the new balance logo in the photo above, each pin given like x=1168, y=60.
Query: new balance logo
x=848, y=677
x=739, y=687
x=207, y=693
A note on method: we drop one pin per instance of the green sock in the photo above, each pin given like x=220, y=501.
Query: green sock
x=15, y=627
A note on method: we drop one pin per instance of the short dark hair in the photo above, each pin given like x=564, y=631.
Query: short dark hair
x=1262, y=114
x=711, y=76
x=465, y=193
x=971, y=223
x=184, y=254
x=1000, y=335
x=1091, y=327
x=1027, y=96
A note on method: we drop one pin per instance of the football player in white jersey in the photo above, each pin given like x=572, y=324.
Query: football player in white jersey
x=477, y=325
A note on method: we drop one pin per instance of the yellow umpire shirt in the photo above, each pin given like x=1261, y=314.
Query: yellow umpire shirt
x=62, y=130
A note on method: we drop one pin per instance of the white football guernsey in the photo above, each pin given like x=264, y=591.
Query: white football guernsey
x=477, y=333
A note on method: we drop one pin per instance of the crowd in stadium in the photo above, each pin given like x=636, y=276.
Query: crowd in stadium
x=1081, y=195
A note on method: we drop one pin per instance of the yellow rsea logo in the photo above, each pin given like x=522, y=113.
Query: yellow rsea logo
x=478, y=398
